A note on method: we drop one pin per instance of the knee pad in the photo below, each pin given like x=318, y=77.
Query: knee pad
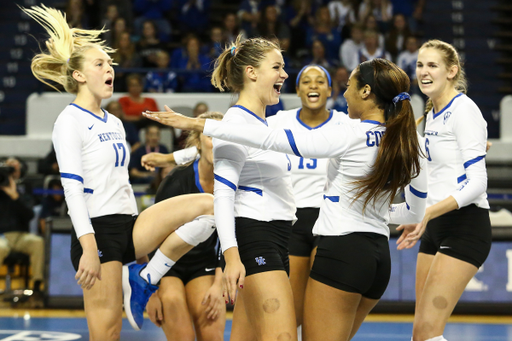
x=198, y=230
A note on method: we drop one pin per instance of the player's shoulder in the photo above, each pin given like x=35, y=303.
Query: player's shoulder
x=283, y=118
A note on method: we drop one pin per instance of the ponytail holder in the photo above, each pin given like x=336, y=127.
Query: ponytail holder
x=401, y=97
x=233, y=50
x=67, y=61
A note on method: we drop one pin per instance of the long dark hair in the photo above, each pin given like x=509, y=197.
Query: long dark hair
x=397, y=160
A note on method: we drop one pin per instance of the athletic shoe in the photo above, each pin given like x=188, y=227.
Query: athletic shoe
x=137, y=292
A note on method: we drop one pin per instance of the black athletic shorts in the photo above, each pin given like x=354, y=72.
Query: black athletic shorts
x=463, y=234
x=263, y=246
x=187, y=272
x=302, y=241
x=358, y=262
x=114, y=238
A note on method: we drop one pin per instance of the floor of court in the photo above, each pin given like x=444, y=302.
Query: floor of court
x=48, y=325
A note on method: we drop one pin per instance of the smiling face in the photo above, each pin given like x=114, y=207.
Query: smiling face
x=97, y=74
x=270, y=77
x=434, y=76
x=313, y=88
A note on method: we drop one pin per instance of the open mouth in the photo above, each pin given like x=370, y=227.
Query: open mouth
x=277, y=88
x=426, y=82
x=109, y=81
x=314, y=96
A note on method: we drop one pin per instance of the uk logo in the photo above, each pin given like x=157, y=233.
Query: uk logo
x=260, y=260
x=446, y=116
x=100, y=253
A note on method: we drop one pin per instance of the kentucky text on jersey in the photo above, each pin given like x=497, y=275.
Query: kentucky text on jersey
x=110, y=136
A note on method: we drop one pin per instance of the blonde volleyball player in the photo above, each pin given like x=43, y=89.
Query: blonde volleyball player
x=93, y=157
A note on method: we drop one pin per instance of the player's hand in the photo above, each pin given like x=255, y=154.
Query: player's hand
x=89, y=269
x=171, y=118
x=234, y=274
x=411, y=233
x=154, y=309
x=213, y=301
x=152, y=160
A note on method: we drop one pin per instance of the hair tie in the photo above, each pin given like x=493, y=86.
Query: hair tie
x=233, y=50
x=401, y=97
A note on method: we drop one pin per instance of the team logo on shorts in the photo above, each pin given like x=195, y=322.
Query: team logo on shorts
x=260, y=260
x=100, y=253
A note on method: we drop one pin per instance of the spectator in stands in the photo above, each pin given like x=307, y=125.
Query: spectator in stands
x=339, y=85
x=371, y=49
x=54, y=204
x=216, y=44
x=15, y=214
x=370, y=23
x=299, y=17
x=149, y=44
x=111, y=14
x=134, y=104
x=199, y=108
x=48, y=165
x=231, y=28
x=193, y=16
x=156, y=12
x=324, y=31
x=138, y=174
x=197, y=64
x=124, y=9
x=75, y=14
x=249, y=14
x=342, y=15
x=407, y=61
x=271, y=26
x=119, y=28
x=125, y=56
x=397, y=36
x=350, y=47
x=382, y=10
x=132, y=135
x=412, y=11
x=318, y=56
x=162, y=80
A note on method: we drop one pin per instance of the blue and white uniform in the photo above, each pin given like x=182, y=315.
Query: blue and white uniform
x=249, y=182
x=352, y=148
x=455, y=142
x=455, y=145
x=93, y=159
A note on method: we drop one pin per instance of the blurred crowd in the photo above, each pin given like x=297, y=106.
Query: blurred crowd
x=179, y=39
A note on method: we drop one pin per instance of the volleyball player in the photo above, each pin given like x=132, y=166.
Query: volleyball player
x=93, y=156
x=189, y=303
x=370, y=161
x=309, y=175
x=458, y=231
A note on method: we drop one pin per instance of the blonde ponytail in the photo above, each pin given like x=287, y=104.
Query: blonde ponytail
x=65, y=48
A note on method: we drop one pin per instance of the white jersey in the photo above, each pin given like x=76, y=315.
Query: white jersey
x=352, y=147
x=93, y=158
x=455, y=142
x=309, y=175
x=249, y=182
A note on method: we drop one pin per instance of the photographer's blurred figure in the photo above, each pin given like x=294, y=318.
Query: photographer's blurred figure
x=15, y=214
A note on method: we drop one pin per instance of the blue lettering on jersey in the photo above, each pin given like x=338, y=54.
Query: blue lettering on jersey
x=446, y=116
x=373, y=138
x=110, y=136
x=310, y=165
x=431, y=132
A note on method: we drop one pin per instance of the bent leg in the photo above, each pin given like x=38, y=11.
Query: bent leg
x=155, y=224
x=329, y=313
x=177, y=324
x=103, y=304
x=206, y=329
x=445, y=283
